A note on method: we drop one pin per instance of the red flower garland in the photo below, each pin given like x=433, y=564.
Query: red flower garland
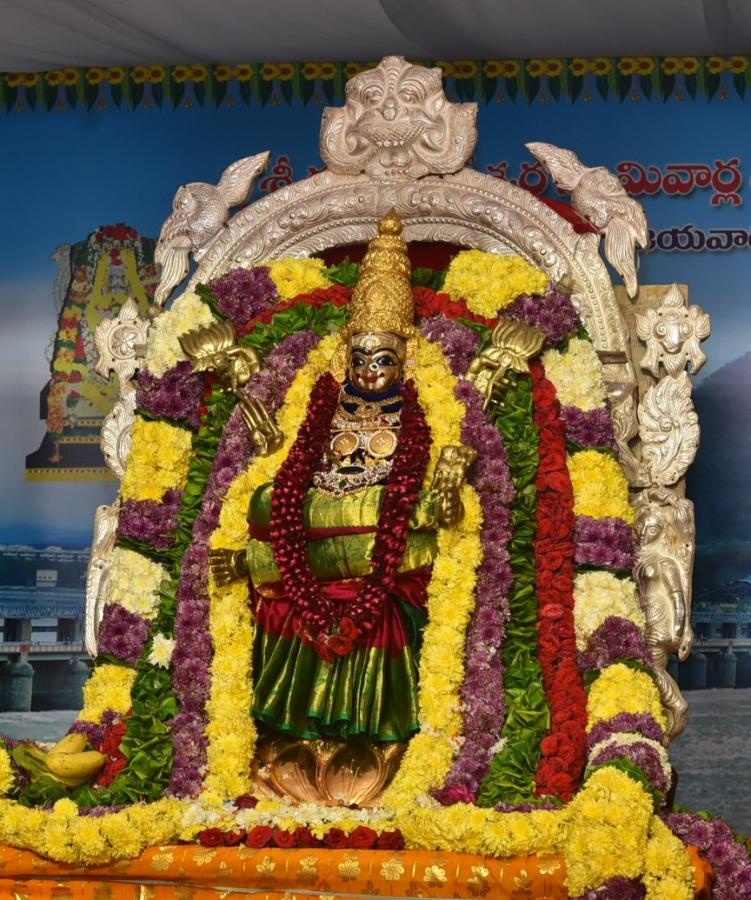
x=564, y=748
x=317, y=624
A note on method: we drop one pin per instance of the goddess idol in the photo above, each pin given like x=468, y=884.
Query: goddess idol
x=343, y=539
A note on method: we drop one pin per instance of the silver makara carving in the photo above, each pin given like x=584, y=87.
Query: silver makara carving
x=398, y=123
x=669, y=429
x=663, y=571
x=599, y=196
x=103, y=543
x=672, y=333
x=199, y=211
x=120, y=342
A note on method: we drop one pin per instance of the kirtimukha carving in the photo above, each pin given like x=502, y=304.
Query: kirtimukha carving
x=599, y=196
x=672, y=334
x=398, y=122
x=665, y=526
x=199, y=211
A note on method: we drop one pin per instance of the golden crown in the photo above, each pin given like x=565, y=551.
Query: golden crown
x=382, y=298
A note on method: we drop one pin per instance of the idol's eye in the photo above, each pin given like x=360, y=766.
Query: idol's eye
x=386, y=360
x=358, y=361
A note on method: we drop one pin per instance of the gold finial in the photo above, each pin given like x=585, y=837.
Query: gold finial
x=382, y=299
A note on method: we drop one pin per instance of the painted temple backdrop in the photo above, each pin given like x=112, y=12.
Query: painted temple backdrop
x=90, y=161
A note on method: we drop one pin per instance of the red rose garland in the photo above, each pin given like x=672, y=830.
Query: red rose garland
x=317, y=624
x=564, y=748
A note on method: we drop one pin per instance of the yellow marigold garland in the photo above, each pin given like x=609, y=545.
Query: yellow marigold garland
x=600, y=594
x=108, y=688
x=66, y=837
x=7, y=778
x=134, y=582
x=668, y=872
x=576, y=374
x=618, y=689
x=158, y=461
x=293, y=277
x=608, y=822
x=489, y=282
x=163, y=348
x=600, y=487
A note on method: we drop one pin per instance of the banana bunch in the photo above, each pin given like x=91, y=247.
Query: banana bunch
x=67, y=762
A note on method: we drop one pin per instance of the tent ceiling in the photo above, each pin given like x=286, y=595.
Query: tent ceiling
x=45, y=34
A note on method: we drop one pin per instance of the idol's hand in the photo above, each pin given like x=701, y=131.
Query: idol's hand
x=449, y=478
x=227, y=566
x=264, y=431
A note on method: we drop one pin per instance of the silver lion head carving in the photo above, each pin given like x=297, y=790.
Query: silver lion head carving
x=398, y=122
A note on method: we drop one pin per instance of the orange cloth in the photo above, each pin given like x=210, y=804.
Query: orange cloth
x=189, y=872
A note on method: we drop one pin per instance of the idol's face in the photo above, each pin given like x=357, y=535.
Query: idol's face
x=373, y=371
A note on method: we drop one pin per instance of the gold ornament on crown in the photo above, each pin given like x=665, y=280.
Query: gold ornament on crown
x=381, y=306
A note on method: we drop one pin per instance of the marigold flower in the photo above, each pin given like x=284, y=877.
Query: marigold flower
x=269, y=71
x=645, y=65
x=738, y=64
x=600, y=65
x=690, y=65
x=536, y=67
x=465, y=68
x=223, y=72
x=115, y=74
x=579, y=66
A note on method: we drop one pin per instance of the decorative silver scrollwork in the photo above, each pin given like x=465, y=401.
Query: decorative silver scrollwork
x=672, y=333
x=117, y=432
x=199, y=211
x=103, y=543
x=398, y=123
x=669, y=429
x=599, y=196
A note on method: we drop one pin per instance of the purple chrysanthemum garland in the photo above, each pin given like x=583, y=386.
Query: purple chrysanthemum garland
x=553, y=312
x=482, y=692
x=715, y=840
x=617, y=639
x=123, y=633
x=589, y=427
x=632, y=723
x=641, y=754
x=151, y=521
x=191, y=660
x=175, y=396
x=243, y=294
x=607, y=542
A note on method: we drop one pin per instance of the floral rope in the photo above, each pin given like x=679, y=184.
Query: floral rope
x=563, y=749
x=511, y=778
x=483, y=688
